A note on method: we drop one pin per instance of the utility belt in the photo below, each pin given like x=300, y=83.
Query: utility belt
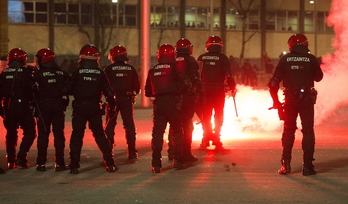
x=62, y=101
x=52, y=99
x=301, y=92
x=125, y=93
x=85, y=102
x=8, y=102
x=18, y=100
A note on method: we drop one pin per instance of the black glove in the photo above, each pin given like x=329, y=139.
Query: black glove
x=277, y=104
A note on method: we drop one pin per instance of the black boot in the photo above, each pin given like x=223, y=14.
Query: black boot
x=22, y=163
x=307, y=171
x=286, y=168
x=308, y=168
x=111, y=168
x=205, y=142
x=156, y=169
x=60, y=167
x=156, y=165
x=74, y=170
x=132, y=153
x=2, y=171
x=11, y=165
x=40, y=167
x=74, y=164
x=188, y=157
x=178, y=164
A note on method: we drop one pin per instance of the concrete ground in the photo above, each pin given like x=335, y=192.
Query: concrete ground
x=245, y=172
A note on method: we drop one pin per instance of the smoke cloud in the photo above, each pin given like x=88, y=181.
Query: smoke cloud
x=332, y=102
x=333, y=88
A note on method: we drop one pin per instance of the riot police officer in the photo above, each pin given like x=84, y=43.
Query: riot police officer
x=16, y=91
x=298, y=70
x=215, y=72
x=188, y=66
x=163, y=87
x=124, y=81
x=88, y=83
x=52, y=87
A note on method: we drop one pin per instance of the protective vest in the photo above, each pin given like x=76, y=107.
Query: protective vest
x=15, y=82
x=52, y=82
x=123, y=78
x=89, y=84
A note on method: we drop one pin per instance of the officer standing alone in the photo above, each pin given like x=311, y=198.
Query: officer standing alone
x=124, y=81
x=298, y=70
x=52, y=87
x=215, y=72
x=88, y=83
x=163, y=87
x=16, y=90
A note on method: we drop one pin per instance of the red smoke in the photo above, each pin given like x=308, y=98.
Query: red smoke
x=253, y=105
x=333, y=88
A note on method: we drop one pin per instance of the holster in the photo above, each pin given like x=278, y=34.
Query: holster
x=314, y=93
x=281, y=113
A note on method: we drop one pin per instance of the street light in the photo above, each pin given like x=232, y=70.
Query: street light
x=117, y=17
x=315, y=25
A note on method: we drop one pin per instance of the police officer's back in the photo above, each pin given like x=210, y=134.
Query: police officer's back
x=163, y=84
x=188, y=66
x=88, y=84
x=16, y=90
x=298, y=70
x=215, y=72
x=124, y=81
x=52, y=87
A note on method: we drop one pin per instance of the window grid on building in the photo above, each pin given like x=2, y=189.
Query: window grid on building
x=162, y=16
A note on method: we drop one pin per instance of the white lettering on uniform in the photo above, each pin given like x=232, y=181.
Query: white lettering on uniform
x=51, y=81
x=294, y=67
x=89, y=71
x=121, y=68
x=48, y=74
x=180, y=59
x=88, y=79
x=162, y=66
x=13, y=70
x=157, y=73
x=210, y=58
x=298, y=59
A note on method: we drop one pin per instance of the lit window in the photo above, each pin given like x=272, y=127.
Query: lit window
x=27, y=12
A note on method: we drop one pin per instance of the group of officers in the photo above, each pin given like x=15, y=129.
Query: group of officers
x=178, y=86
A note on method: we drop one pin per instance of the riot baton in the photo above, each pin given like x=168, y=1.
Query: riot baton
x=235, y=106
x=107, y=123
x=40, y=114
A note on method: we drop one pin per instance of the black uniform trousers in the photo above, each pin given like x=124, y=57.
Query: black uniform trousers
x=52, y=113
x=124, y=105
x=83, y=112
x=188, y=109
x=166, y=109
x=215, y=101
x=302, y=106
x=18, y=114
